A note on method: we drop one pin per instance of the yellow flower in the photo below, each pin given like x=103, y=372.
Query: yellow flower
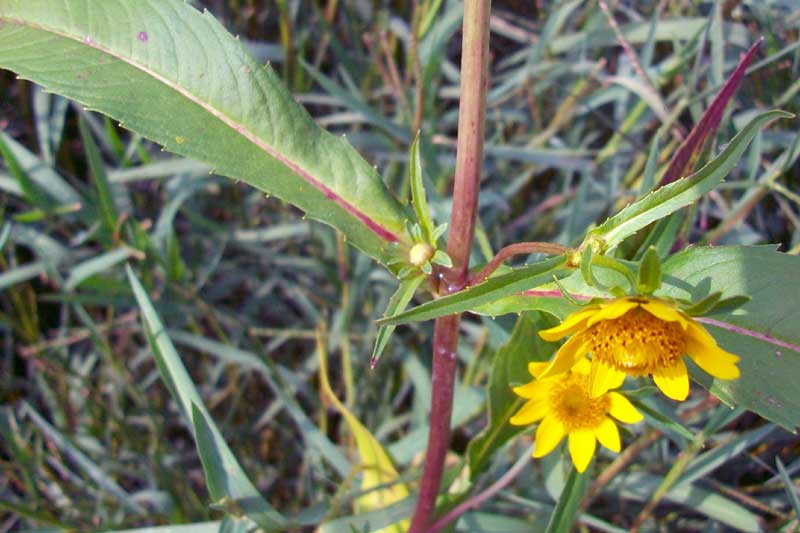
x=638, y=336
x=563, y=405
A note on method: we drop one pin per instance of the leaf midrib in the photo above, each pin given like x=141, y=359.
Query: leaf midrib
x=329, y=193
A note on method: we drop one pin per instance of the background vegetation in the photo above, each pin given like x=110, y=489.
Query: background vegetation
x=90, y=436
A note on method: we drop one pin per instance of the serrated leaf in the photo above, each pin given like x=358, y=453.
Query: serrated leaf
x=224, y=475
x=683, y=192
x=397, y=303
x=175, y=75
x=492, y=289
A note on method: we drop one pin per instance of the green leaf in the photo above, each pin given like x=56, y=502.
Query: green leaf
x=379, y=479
x=566, y=510
x=663, y=420
x=418, y=199
x=704, y=305
x=224, y=476
x=440, y=257
x=639, y=486
x=683, y=192
x=649, y=278
x=789, y=486
x=586, y=266
x=108, y=212
x=763, y=332
x=176, y=76
x=398, y=302
x=509, y=368
x=520, y=279
x=33, y=192
x=551, y=302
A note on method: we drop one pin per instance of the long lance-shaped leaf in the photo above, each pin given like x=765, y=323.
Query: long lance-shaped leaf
x=521, y=279
x=175, y=75
x=224, y=475
x=708, y=123
x=397, y=303
x=681, y=193
x=379, y=479
x=566, y=510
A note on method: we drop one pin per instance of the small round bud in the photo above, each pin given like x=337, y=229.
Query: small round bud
x=420, y=254
x=574, y=258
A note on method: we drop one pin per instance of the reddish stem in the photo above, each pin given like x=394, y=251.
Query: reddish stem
x=469, y=159
x=511, y=250
x=474, y=501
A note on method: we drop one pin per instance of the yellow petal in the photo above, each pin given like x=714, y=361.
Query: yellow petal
x=673, y=381
x=566, y=356
x=622, y=409
x=536, y=369
x=531, y=389
x=613, y=310
x=665, y=312
x=608, y=435
x=582, y=444
x=572, y=323
x=700, y=334
x=548, y=435
x=529, y=413
x=603, y=378
x=713, y=359
x=583, y=366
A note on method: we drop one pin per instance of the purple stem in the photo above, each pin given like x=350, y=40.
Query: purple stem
x=474, y=501
x=469, y=160
x=749, y=333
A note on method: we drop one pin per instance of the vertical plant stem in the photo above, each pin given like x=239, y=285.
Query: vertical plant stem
x=469, y=159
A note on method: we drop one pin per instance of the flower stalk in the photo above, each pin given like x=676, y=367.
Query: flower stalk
x=469, y=160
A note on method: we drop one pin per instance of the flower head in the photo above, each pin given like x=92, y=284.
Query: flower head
x=638, y=336
x=563, y=405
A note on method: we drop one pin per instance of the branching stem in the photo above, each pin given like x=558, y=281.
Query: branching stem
x=520, y=248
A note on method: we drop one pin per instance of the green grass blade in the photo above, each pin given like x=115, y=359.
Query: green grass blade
x=83, y=461
x=312, y=436
x=97, y=264
x=567, y=507
x=212, y=447
x=788, y=484
x=108, y=212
